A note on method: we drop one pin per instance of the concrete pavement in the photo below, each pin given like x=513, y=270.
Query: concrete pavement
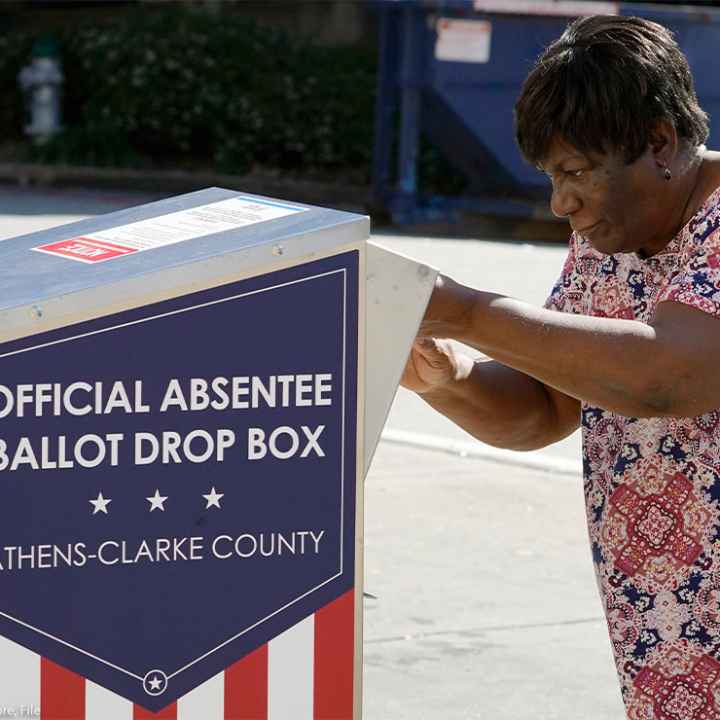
x=486, y=602
x=486, y=605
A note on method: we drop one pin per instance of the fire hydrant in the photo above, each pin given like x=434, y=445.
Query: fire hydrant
x=41, y=82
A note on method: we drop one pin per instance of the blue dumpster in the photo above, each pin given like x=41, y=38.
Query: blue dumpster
x=450, y=70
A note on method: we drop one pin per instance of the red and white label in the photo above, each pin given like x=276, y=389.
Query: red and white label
x=463, y=40
x=169, y=229
x=85, y=249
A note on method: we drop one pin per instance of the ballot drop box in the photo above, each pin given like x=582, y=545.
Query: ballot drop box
x=190, y=395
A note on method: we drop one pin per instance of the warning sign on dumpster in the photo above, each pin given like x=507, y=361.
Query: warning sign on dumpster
x=177, y=482
x=463, y=40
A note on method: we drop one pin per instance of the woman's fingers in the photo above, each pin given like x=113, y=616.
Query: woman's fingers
x=430, y=364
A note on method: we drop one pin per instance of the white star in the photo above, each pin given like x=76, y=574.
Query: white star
x=100, y=504
x=155, y=683
x=213, y=498
x=157, y=501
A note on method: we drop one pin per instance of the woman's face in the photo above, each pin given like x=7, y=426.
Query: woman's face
x=617, y=207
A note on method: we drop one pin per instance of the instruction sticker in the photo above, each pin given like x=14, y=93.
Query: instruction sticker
x=463, y=40
x=168, y=229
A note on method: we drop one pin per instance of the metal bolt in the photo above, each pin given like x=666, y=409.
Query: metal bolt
x=278, y=250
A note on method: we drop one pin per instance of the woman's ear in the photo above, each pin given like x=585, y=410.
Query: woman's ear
x=663, y=143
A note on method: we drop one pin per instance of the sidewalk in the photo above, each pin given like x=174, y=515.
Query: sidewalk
x=486, y=604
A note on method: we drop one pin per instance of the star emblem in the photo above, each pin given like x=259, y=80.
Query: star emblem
x=155, y=682
x=100, y=504
x=157, y=501
x=213, y=498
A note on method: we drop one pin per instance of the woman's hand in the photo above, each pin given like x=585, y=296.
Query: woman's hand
x=433, y=364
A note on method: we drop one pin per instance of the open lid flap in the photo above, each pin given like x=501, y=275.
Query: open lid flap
x=397, y=292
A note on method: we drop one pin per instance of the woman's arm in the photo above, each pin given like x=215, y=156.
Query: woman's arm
x=494, y=403
x=666, y=368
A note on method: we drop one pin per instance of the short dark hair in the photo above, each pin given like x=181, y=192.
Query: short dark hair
x=603, y=86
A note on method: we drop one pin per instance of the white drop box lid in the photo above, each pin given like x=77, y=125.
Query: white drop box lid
x=43, y=291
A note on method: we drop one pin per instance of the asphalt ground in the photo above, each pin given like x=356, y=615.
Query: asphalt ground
x=484, y=601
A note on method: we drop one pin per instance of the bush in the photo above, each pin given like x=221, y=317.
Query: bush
x=185, y=87
x=14, y=51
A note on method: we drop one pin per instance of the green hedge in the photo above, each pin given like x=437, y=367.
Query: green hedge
x=14, y=51
x=196, y=88
x=173, y=87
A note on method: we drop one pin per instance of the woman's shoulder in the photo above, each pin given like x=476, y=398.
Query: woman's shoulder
x=710, y=181
x=706, y=218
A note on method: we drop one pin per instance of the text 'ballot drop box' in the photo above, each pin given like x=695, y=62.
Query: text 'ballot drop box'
x=190, y=395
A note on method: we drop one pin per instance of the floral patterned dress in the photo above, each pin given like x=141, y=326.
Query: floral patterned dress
x=652, y=488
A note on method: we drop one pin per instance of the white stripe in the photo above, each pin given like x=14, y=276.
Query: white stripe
x=291, y=660
x=206, y=702
x=19, y=681
x=102, y=704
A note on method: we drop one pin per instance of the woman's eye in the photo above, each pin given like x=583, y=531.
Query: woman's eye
x=576, y=173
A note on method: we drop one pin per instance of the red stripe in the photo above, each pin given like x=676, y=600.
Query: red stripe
x=62, y=693
x=334, y=659
x=246, y=687
x=167, y=713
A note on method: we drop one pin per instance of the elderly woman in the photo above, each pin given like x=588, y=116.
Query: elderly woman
x=627, y=346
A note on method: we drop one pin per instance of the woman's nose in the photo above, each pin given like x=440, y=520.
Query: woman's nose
x=564, y=202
